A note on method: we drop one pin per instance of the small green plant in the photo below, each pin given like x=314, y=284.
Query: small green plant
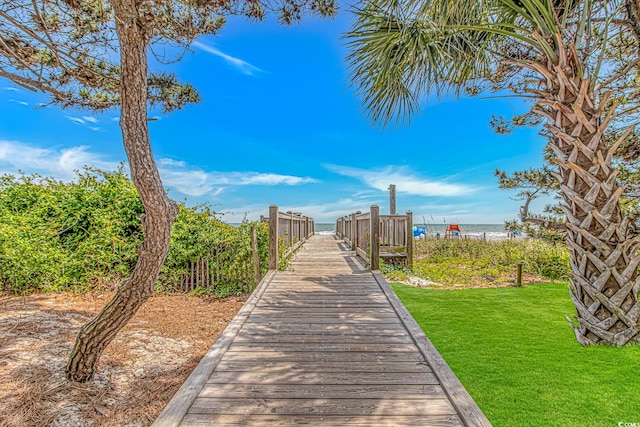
x=395, y=271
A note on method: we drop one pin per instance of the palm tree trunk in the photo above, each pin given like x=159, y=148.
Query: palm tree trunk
x=604, y=258
x=160, y=211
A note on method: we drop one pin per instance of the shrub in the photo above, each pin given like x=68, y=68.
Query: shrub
x=468, y=261
x=77, y=235
x=56, y=235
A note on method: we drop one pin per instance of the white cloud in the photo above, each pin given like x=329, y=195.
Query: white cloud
x=171, y=162
x=196, y=182
x=12, y=89
x=178, y=175
x=189, y=182
x=76, y=120
x=242, y=66
x=58, y=163
x=255, y=178
x=406, y=181
x=87, y=121
x=325, y=212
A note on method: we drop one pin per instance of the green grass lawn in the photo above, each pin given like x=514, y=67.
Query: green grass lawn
x=518, y=357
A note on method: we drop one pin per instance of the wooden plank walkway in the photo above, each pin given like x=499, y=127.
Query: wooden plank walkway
x=326, y=343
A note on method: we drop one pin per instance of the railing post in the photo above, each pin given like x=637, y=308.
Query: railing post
x=353, y=232
x=374, y=238
x=290, y=228
x=306, y=227
x=410, y=239
x=273, y=237
x=356, y=236
x=392, y=199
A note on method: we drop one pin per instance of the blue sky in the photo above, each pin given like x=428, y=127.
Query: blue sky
x=279, y=124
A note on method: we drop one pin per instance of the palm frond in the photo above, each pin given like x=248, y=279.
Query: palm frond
x=396, y=59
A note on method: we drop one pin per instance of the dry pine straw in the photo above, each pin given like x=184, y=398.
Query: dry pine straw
x=138, y=373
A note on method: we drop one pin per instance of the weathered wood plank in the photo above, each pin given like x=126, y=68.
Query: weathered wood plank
x=320, y=316
x=314, y=293
x=321, y=366
x=337, y=287
x=318, y=347
x=333, y=391
x=336, y=356
x=344, y=321
x=304, y=298
x=315, y=311
x=362, y=378
x=246, y=406
x=224, y=420
x=293, y=337
x=343, y=303
x=346, y=278
x=324, y=329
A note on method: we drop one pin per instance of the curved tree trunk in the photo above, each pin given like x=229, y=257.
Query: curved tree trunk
x=604, y=257
x=160, y=211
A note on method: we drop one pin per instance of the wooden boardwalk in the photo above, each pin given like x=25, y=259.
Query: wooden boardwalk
x=326, y=344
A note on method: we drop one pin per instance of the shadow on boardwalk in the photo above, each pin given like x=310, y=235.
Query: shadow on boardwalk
x=326, y=343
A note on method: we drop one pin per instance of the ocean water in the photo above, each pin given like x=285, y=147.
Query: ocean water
x=471, y=231
x=324, y=228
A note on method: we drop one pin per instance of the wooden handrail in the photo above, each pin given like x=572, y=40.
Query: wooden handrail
x=292, y=227
x=393, y=234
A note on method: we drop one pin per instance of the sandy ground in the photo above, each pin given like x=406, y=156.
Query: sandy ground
x=139, y=371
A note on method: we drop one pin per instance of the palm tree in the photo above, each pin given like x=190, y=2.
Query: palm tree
x=564, y=55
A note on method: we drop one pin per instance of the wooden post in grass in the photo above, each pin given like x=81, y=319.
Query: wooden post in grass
x=273, y=237
x=519, y=274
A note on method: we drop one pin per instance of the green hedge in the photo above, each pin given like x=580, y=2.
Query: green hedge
x=76, y=235
x=56, y=235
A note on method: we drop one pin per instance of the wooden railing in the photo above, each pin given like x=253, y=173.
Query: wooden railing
x=227, y=262
x=392, y=233
x=290, y=229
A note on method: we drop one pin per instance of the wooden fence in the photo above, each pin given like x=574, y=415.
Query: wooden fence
x=288, y=229
x=232, y=263
x=392, y=233
x=226, y=263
